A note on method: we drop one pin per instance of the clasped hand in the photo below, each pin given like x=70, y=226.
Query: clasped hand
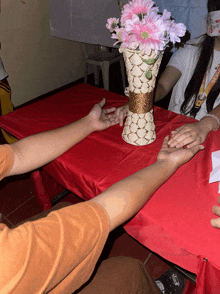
x=176, y=157
x=188, y=135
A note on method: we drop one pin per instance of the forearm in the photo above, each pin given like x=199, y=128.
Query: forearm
x=125, y=198
x=160, y=92
x=35, y=151
x=166, y=82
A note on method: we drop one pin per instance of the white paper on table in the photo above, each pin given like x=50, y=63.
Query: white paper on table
x=215, y=174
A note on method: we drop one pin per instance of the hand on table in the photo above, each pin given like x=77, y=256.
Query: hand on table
x=100, y=118
x=176, y=156
x=121, y=113
x=216, y=222
x=188, y=135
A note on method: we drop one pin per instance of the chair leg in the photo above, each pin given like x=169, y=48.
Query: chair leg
x=105, y=74
x=96, y=74
x=86, y=73
x=123, y=72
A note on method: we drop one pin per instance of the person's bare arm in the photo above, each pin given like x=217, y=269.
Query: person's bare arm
x=195, y=133
x=166, y=82
x=35, y=151
x=122, y=200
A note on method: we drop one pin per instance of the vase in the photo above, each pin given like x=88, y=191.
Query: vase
x=142, y=70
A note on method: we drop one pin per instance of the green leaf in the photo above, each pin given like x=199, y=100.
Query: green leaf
x=150, y=61
x=148, y=74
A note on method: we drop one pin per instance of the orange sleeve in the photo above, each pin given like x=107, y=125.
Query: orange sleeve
x=56, y=254
x=6, y=160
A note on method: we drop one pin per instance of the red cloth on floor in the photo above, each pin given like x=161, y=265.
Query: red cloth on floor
x=175, y=223
x=39, y=188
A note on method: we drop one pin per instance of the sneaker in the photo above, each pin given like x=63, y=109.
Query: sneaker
x=171, y=282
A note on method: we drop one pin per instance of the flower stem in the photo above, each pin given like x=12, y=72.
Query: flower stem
x=120, y=5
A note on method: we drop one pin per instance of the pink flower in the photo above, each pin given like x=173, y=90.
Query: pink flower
x=122, y=36
x=143, y=28
x=112, y=24
x=147, y=34
x=175, y=31
x=137, y=7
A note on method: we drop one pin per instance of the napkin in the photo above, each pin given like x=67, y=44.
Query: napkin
x=215, y=174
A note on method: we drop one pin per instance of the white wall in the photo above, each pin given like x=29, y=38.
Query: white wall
x=35, y=61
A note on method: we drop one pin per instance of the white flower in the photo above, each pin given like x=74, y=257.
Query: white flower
x=175, y=31
x=166, y=15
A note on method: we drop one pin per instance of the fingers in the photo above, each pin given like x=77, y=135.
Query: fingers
x=189, y=134
x=120, y=114
x=179, y=140
x=191, y=144
x=117, y=112
x=176, y=139
x=216, y=210
x=121, y=118
x=216, y=222
x=109, y=110
x=102, y=102
x=165, y=142
x=183, y=138
x=174, y=133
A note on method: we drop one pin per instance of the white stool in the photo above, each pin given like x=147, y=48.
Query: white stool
x=104, y=59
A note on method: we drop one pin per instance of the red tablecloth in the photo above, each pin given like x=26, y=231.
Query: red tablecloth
x=175, y=223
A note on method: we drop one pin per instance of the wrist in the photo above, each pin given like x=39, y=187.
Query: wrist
x=169, y=167
x=208, y=123
x=215, y=119
x=88, y=124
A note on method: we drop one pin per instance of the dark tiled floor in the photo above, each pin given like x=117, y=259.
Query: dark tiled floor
x=17, y=203
x=17, y=200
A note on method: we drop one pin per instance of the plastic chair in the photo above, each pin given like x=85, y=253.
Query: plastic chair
x=103, y=59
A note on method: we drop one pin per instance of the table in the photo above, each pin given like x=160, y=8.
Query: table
x=175, y=223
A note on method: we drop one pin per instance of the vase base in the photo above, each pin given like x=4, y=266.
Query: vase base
x=139, y=129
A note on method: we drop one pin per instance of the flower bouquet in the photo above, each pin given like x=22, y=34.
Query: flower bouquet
x=143, y=34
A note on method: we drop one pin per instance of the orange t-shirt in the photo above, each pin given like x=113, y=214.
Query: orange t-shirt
x=56, y=254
